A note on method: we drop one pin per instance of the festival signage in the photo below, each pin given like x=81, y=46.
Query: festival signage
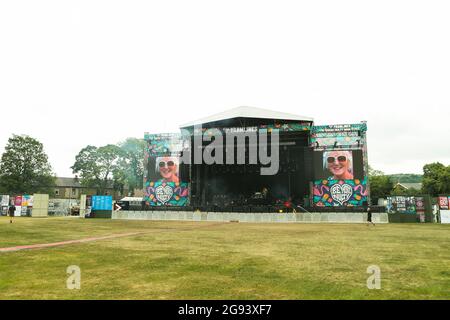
x=336, y=193
x=444, y=206
x=444, y=203
x=287, y=127
x=420, y=204
x=4, y=200
x=340, y=128
x=340, y=164
x=100, y=203
x=420, y=208
x=333, y=140
x=18, y=201
x=161, y=193
x=163, y=144
x=163, y=185
x=27, y=200
x=401, y=204
x=282, y=127
x=4, y=204
x=339, y=136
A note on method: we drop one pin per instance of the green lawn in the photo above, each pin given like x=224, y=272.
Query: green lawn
x=193, y=260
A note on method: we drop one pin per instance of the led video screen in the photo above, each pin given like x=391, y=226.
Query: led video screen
x=338, y=165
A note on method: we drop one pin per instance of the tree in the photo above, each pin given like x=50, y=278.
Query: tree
x=406, y=178
x=436, y=179
x=123, y=164
x=24, y=167
x=411, y=192
x=373, y=172
x=98, y=166
x=380, y=184
x=132, y=163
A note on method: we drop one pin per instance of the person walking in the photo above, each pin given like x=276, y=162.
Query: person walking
x=11, y=211
x=369, y=216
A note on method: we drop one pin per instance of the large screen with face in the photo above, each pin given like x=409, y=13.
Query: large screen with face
x=338, y=165
x=163, y=169
x=163, y=184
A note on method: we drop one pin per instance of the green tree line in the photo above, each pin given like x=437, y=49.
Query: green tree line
x=25, y=168
x=435, y=181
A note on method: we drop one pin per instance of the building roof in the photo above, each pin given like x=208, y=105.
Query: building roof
x=68, y=182
x=409, y=185
x=64, y=182
x=247, y=112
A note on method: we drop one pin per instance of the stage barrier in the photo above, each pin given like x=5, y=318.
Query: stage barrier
x=341, y=217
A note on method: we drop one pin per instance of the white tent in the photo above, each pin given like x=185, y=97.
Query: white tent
x=247, y=112
x=132, y=199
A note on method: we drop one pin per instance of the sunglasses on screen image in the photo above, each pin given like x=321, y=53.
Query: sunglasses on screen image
x=339, y=159
x=163, y=164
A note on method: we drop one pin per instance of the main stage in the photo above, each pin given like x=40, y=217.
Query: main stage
x=251, y=160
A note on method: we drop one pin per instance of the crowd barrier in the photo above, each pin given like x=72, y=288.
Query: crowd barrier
x=329, y=217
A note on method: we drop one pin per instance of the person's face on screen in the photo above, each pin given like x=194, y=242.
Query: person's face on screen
x=168, y=168
x=338, y=163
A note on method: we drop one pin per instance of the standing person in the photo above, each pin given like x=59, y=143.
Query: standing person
x=11, y=211
x=369, y=216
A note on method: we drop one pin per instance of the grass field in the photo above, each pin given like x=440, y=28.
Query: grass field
x=192, y=260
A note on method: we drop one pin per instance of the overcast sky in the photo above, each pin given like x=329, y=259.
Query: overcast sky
x=74, y=73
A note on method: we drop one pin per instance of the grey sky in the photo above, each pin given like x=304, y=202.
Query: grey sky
x=74, y=73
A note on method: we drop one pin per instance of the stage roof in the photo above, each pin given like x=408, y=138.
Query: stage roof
x=247, y=112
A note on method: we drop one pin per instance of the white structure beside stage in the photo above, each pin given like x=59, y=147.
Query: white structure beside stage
x=341, y=217
x=445, y=216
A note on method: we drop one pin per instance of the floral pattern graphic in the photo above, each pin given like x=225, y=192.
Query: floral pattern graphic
x=166, y=193
x=336, y=193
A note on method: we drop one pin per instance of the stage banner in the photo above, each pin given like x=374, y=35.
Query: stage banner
x=401, y=204
x=165, y=144
x=340, y=193
x=340, y=128
x=338, y=136
x=444, y=203
x=18, y=201
x=286, y=127
x=282, y=127
x=420, y=208
x=4, y=200
x=4, y=204
x=161, y=193
x=27, y=200
x=333, y=140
